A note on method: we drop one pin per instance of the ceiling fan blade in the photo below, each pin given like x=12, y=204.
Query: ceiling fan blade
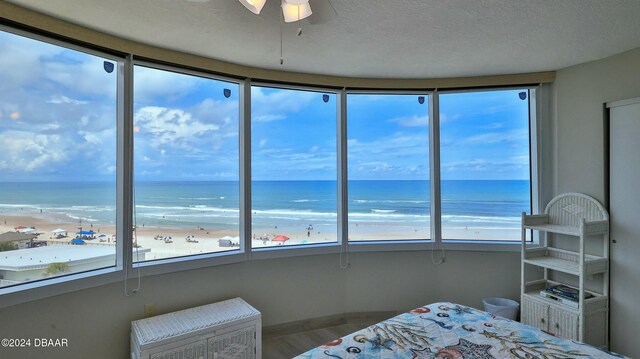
x=323, y=11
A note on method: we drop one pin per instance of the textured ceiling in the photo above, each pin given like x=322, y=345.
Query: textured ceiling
x=375, y=38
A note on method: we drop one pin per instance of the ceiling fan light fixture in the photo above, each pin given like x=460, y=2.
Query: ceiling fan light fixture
x=294, y=13
x=255, y=6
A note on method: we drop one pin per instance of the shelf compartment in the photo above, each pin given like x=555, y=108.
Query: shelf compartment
x=564, y=261
x=555, y=228
x=540, y=222
x=597, y=303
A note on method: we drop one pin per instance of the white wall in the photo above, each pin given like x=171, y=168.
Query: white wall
x=96, y=321
x=579, y=94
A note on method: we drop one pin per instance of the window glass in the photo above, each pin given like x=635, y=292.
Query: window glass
x=58, y=160
x=294, y=167
x=485, y=166
x=186, y=165
x=388, y=167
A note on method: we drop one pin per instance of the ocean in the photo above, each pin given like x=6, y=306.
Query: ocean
x=386, y=206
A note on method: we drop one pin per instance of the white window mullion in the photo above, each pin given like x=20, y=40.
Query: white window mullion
x=434, y=166
x=343, y=195
x=124, y=181
x=534, y=157
x=535, y=109
x=245, y=168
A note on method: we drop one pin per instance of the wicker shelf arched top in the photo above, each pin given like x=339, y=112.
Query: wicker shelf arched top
x=568, y=209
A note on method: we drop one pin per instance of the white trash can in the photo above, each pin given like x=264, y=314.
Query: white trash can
x=501, y=307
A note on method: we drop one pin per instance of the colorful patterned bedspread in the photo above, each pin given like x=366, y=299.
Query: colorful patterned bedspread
x=452, y=331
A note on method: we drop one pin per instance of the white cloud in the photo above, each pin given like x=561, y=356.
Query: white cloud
x=90, y=137
x=397, y=144
x=269, y=105
x=493, y=125
x=446, y=119
x=86, y=75
x=66, y=100
x=50, y=86
x=25, y=60
x=172, y=127
x=267, y=118
x=497, y=137
x=151, y=83
x=263, y=142
x=411, y=121
x=514, y=165
x=294, y=163
x=395, y=155
x=26, y=151
x=381, y=167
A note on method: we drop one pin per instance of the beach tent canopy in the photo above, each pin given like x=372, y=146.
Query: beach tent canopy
x=280, y=238
x=19, y=227
x=86, y=233
x=229, y=238
x=102, y=236
x=59, y=230
x=77, y=241
x=27, y=230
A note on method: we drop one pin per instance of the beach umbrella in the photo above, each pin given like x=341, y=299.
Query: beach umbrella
x=102, y=236
x=86, y=233
x=77, y=241
x=27, y=230
x=59, y=230
x=19, y=227
x=280, y=238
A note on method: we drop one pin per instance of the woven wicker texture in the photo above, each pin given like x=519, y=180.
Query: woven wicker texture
x=570, y=208
x=190, y=320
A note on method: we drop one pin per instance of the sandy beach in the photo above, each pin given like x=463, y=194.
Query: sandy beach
x=206, y=240
x=203, y=240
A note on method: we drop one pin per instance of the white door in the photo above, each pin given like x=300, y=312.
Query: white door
x=624, y=177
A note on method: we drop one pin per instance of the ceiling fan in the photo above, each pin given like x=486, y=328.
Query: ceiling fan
x=296, y=10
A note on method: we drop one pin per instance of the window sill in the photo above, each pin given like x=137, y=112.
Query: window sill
x=66, y=284
x=294, y=251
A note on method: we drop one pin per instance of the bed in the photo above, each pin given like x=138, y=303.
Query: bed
x=453, y=331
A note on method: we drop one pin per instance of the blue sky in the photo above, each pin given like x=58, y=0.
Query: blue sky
x=58, y=123
x=293, y=135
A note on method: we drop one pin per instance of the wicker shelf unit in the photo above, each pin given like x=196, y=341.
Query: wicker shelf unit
x=576, y=215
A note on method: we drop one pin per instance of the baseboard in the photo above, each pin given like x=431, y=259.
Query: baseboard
x=325, y=322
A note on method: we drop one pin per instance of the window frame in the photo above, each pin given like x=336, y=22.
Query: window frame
x=204, y=258
x=533, y=94
x=46, y=287
x=125, y=270
x=400, y=244
x=311, y=248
